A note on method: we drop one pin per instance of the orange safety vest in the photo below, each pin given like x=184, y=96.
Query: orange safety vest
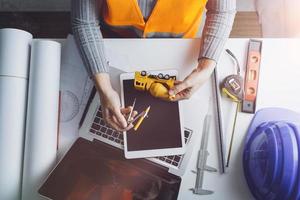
x=177, y=17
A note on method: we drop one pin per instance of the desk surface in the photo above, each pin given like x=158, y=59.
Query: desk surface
x=279, y=87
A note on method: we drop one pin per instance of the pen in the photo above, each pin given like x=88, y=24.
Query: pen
x=141, y=119
x=137, y=117
x=129, y=116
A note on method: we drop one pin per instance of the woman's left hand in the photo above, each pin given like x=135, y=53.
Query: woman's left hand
x=186, y=88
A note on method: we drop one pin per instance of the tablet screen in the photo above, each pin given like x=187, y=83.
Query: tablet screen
x=161, y=129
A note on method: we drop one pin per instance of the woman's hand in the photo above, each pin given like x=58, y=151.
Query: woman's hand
x=113, y=114
x=186, y=88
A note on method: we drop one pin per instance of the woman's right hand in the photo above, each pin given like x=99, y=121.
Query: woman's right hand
x=113, y=114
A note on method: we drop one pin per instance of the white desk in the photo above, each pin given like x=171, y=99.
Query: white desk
x=279, y=86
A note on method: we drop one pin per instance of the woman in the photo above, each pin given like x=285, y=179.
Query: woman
x=148, y=19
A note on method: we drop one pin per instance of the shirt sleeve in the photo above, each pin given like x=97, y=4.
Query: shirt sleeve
x=88, y=36
x=218, y=24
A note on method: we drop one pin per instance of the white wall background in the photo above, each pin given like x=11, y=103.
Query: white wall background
x=245, y=5
x=64, y=5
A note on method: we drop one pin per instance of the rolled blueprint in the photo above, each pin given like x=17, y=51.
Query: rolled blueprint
x=42, y=116
x=75, y=86
x=14, y=68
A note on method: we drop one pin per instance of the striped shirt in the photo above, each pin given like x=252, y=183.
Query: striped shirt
x=86, y=17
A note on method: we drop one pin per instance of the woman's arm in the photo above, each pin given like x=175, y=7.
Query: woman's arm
x=86, y=30
x=218, y=24
x=219, y=20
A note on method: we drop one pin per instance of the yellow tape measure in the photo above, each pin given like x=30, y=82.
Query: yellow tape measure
x=233, y=87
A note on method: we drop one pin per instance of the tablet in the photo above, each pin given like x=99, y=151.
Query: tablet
x=161, y=133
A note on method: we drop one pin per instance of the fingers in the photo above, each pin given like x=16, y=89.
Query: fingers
x=126, y=111
x=113, y=124
x=109, y=121
x=113, y=121
x=120, y=118
x=130, y=126
x=134, y=113
x=181, y=90
x=178, y=88
x=185, y=89
x=185, y=94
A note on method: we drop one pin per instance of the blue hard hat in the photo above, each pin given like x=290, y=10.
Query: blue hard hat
x=271, y=155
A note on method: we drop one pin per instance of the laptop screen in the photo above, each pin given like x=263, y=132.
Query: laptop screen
x=161, y=129
x=95, y=170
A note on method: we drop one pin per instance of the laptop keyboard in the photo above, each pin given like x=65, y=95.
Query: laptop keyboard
x=99, y=128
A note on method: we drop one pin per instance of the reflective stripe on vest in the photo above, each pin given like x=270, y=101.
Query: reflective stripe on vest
x=168, y=17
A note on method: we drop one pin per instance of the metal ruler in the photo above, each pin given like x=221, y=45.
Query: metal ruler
x=202, y=159
x=252, y=76
x=221, y=137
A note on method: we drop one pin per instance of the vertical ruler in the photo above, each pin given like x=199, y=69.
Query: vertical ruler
x=221, y=137
x=252, y=76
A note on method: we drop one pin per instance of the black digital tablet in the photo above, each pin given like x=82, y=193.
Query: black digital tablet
x=161, y=133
